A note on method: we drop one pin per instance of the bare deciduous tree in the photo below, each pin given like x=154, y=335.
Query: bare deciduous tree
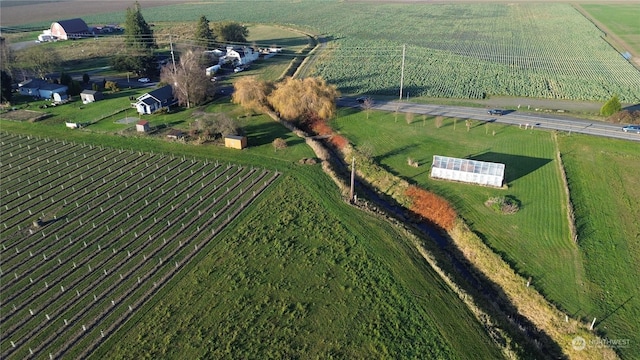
x=213, y=125
x=7, y=57
x=40, y=60
x=190, y=85
x=367, y=105
x=409, y=117
x=439, y=120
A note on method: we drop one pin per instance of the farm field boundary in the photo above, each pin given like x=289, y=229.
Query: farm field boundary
x=90, y=233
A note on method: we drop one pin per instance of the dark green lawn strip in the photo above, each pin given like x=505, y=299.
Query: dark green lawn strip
x=302, y=275
x=605, y=190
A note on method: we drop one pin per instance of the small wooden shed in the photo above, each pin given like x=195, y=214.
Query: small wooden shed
x=174, y=134
x=142, y=126
x=235, y=141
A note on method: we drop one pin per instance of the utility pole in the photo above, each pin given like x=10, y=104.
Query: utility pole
x=404, y=47
x=353, y=177
x=173, y=59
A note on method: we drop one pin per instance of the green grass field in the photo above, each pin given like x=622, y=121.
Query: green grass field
x=536, y=240
x=313, y=279
x=622, y=19
x=597, y=277
x=302, y=274
x=605, y=191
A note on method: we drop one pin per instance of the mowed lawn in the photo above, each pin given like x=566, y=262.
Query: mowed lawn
x=536, y=240
x=604, y=177
x=302, y=275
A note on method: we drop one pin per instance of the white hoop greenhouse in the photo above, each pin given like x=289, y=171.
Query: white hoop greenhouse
x=469, y=171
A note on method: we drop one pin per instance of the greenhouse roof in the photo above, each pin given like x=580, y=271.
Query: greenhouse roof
x=466, y=170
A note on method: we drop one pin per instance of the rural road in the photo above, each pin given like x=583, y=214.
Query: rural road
x=542, y=121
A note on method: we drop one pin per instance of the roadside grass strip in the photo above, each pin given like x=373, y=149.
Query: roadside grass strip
x=91, y=233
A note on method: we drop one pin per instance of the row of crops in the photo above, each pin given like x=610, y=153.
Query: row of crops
x=542, y=51
x=545, y=50
x=89, y=234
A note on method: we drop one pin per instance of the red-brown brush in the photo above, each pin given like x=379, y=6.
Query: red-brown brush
x=431, y=207
x=339, y=141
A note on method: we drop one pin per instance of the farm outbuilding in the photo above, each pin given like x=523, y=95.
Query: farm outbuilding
x=235, y=141
x=89, y=96
x=42, y=89
x=70, y=29
x=174, y=134
x=466, y=170
x=142, y=126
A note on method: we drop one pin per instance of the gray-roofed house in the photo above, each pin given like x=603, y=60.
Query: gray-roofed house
x=155, y=100
x=89, y=96
x=42, y=89
x=70, y=29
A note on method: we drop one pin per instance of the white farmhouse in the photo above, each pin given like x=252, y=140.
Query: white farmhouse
x=239, y=56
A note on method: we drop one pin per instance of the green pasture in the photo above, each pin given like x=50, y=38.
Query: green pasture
x=605, y=191
x=536, y=240
x=622, y=19
x=590, y=279
x=301, y=275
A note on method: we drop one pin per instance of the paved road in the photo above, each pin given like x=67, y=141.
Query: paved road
x=543, y=121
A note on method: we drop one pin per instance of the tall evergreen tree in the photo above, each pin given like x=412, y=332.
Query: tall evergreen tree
x=5, y=83
x=138, y=33
x=139, y=45
x=204, y=35
x=230, y=32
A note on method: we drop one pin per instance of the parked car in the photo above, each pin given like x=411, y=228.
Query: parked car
x=631, y=128
x=495, y=112
x=144, y=80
